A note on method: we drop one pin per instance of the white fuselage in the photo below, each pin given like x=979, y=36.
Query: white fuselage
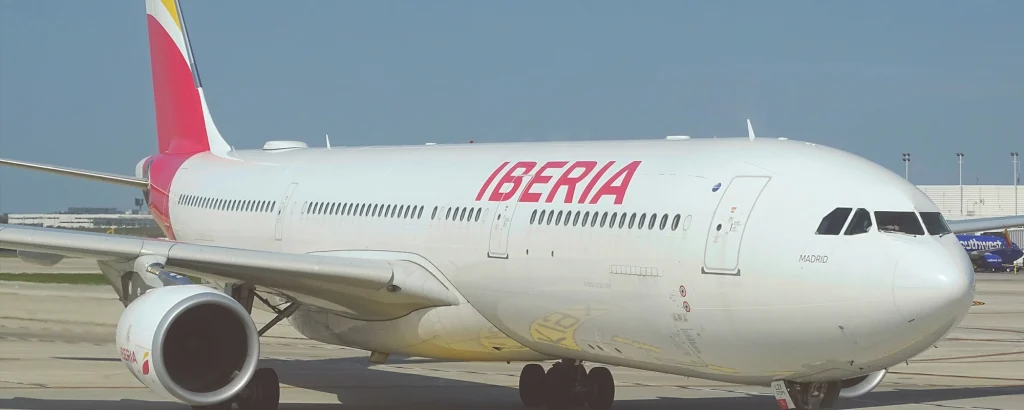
x=764, y=297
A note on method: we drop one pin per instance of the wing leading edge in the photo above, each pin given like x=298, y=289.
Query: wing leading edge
x=367, y=289
x=80, y=173
x=985, y=224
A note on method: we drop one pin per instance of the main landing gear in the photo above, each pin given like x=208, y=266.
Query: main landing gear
x=264, y=390
x=567, y=384
x=262, y=393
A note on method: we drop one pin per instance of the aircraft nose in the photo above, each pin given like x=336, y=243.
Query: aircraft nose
x=933, y=289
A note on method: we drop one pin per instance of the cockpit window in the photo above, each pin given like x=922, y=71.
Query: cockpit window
x=861, y=222
x=832, y=224
x=935, y=223
x=900, y=222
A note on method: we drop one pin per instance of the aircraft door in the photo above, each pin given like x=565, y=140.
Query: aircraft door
x=725, y=234
x=282, y=211
x=501, y=225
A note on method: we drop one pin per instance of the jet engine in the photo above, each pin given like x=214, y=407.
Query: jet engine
x=190, y=343
x=859, y=386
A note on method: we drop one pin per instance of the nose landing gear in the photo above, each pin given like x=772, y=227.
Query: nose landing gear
x=567, y=384
x=808, y=396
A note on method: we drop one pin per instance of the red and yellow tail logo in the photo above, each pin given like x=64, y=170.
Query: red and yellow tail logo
x=182, y=119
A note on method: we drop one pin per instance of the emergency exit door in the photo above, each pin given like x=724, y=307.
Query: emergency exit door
x=282, y=211
x=725, y=235
x=501, y=225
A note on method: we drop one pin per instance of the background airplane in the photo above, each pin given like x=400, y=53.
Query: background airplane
x=991, y=251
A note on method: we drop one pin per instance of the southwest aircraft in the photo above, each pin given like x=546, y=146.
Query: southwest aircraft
x=662, y=255
x=990, y=252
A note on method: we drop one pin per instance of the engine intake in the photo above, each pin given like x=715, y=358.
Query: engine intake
x=190, y=343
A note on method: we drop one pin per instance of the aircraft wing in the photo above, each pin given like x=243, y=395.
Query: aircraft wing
x=80, y=173
x=985, y=224
x=362, y=288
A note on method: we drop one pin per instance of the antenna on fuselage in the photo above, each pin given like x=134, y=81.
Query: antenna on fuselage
x=750, y=130
x=328, y=138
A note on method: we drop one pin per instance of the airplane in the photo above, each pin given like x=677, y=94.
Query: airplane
x=662, y=255
x=989, y=252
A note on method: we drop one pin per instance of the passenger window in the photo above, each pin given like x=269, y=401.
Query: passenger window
x=664, y=221
x=478, y=211
x=533, y=217
x=576, y=219
x=462, y=216
x=586, y=217
x=832, y=224
x=899, y=222
x=640, y=224
x=935, y=223
x=550, y=215
x=861, y=223
x=558, y=219
x=675, y=222
x=654, y=218
x=604, y=218
x=632, y=220
x=593, y=220
x=622, y=220
x=611, y=223
x=433, y=214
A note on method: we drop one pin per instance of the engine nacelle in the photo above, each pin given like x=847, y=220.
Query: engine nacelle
x=190, y=343
x=859, y=386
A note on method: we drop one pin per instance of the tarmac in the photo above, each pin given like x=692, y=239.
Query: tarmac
x=57, y=353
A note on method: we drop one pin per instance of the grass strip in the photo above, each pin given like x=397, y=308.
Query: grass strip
x=63, y=278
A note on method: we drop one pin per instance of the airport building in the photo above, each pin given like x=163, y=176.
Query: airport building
x=976, y=201
x=86, y=218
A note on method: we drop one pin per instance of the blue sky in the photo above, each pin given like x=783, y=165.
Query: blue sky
x=876, y=78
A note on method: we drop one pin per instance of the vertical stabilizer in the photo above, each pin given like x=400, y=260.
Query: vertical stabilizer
x=183, y=120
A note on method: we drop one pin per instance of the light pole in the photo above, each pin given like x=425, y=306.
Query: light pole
x=960, y=162
x=906, y=160
x=1016, y=180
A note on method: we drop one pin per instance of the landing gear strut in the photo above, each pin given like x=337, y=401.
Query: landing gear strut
x=566, y=384
x=264, y=390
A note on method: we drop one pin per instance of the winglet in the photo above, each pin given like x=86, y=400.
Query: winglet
x=750, y=130
x=328, y=138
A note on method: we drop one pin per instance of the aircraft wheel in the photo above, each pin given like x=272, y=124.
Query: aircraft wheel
x=558, y=384
x=262, y=393
x=600, y=389
x=221, y=406
x=531, y=385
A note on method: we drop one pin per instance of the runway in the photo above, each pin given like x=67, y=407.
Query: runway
x=57, y=353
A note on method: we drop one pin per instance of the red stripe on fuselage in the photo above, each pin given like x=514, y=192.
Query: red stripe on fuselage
x=161, y=175
x=180, y=125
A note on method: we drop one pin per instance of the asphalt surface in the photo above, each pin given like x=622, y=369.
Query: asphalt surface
x=57, y=353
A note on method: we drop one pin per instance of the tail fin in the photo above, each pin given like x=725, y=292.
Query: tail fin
x=183, y=121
